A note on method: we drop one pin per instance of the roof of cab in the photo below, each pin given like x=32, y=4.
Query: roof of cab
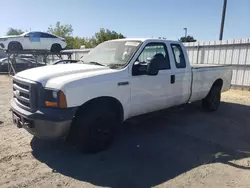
x=143, y=39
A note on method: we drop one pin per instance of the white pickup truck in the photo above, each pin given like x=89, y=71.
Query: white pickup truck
x=85, y=102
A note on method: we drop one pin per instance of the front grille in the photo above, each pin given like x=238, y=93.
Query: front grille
x=21, y=85
x=27, y=104
x=24, y=93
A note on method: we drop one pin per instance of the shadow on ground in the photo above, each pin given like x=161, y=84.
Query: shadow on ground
x=155, y=148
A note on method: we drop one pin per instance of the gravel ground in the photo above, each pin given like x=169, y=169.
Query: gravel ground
x=181, y=147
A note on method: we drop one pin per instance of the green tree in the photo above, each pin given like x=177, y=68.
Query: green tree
x=90, y=42
x=61, y=30
x=13, y=31
x=78, y=42
x=187, y=39
x=74, y=42
x=101, y=36
x=70, y=42
x=106, y=34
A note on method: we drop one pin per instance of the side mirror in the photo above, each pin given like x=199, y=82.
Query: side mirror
x=153, y=67
x=139, y=68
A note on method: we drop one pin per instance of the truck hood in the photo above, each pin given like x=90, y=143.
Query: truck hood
x=60, y=72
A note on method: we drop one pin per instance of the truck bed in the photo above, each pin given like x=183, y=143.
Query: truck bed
x=204, y=75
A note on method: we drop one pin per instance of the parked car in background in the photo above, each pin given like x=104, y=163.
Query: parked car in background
x=2, y=54
x=27, y=56
x=20, y=65
x=64, y=61
x=32, y=41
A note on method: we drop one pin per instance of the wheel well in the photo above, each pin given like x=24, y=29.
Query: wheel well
x=110, y=101
x=218, y=83
x=14, y=42
x=55, y=44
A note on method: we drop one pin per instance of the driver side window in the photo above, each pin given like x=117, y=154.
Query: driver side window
x=151, y=50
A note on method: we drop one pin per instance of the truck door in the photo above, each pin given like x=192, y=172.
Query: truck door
x=181, y=73
x=150, y=93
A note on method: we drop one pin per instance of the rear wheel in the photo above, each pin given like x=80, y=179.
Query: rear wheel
x=15, y=47
x=93, y=129
x=212, y=100
x=56, y=48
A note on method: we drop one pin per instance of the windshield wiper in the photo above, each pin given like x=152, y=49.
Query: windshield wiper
x=95, y=63
x=113, y=66
x=92, y=62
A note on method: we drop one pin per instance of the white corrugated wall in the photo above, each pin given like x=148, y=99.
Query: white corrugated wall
x=230, y=52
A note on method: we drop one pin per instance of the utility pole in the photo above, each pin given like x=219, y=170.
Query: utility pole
x=223, y=19
x=185, y=32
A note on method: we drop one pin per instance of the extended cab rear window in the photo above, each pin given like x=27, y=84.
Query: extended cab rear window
x=179, y=58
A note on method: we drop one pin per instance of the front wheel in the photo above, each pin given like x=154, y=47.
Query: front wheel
x=93, y=129
x=15, y=47
x=212, y=100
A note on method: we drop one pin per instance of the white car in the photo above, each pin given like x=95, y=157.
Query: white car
x=32, y=41
x=117, y=80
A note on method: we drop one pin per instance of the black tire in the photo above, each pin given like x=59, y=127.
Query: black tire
x=212, y=101
x=15, y=47
x=56, y=48
x=93, y=128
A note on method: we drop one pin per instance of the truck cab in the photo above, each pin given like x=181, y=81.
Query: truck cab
x=85, y=102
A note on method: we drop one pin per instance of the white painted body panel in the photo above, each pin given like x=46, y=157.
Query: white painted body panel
x=81, y=83
x=28, y=44
x=151, y=93
x=205, y=76
x=183, y=78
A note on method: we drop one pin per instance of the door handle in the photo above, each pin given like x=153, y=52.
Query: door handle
x=172, y=79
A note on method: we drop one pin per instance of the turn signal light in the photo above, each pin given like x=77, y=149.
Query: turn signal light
x=50, y=104
x=62, y=100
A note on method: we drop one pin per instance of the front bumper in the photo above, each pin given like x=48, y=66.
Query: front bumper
x=46, y=123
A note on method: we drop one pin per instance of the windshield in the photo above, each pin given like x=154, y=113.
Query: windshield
x=116, y=53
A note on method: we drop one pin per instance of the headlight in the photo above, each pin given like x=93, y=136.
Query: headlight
x=54, y=95
x=54, y=98
x=3, y=39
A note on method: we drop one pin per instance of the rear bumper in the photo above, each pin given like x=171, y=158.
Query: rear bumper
x=44, y=123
